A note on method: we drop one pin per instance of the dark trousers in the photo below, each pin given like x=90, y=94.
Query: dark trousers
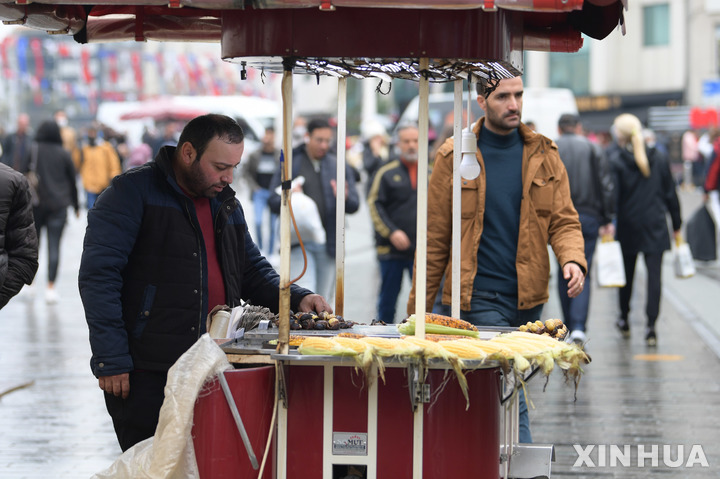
x=496, y=309
x=391, y=276
x=653, y=264
x=136, y=417
x=575, y=310
x=54, y=221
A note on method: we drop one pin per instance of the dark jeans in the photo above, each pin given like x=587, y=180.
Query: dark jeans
x=495, y=309
x=391, y=276
x=260, y=199
x=54, y=221
x=653, y=264
x=575, y=310
x=136, y=417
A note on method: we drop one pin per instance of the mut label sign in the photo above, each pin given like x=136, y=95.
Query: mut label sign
x=349, y=444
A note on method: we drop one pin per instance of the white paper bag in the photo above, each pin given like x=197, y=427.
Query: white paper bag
x=683, y=260
x=610, y=268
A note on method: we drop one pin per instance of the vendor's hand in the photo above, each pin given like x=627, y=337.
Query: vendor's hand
x=576, y=279
x=314, y=302
x=400, y=240
x=117, y=385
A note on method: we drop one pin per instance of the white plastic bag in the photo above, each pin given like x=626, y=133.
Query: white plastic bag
x=306, y=214
x=610, y=268
x=307, y=219
x=683, y=260
x=170, y=454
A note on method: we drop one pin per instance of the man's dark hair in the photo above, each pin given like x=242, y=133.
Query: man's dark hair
x=485, y=86
x=568, y=122
x=315, y=124
x=200, y=130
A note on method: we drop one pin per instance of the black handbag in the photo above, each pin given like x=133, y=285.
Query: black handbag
x=701, y=235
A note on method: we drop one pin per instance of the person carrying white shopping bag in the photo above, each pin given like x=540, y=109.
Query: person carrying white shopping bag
x=610, y=269
x=683, y=262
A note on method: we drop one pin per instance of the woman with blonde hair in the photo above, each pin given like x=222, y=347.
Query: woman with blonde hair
x=645, y=193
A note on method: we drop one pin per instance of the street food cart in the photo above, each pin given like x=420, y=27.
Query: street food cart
x=331, y=416
x=298, y=416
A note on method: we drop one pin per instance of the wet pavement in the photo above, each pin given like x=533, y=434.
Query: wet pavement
x=53, y=422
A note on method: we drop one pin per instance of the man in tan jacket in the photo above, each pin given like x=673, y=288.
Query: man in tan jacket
x=518, y=205
x=99, y=163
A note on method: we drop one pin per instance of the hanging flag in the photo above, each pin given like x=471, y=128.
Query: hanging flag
x=112, y=67
x=39, y=60
x=4, y=47
x=85, y=63
x=22, y=47
x=137, y=70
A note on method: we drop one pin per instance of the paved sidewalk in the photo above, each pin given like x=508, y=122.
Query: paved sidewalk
x=636, y=395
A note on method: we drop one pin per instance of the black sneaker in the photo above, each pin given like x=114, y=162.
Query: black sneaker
x=624, y=327
x=651, y=337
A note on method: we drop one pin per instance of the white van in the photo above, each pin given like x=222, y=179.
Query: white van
x=542, y=106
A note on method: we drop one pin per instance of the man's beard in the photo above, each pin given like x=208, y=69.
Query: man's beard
x=411, y=156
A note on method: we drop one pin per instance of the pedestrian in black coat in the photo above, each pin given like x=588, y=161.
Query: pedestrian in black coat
x=18, y=240
x=645, y=194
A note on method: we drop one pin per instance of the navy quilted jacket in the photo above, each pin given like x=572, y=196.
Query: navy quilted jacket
x=143, y=273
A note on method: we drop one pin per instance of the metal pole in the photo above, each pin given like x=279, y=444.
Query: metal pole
x=421, y=255
x=456, y=197
x=340, y=200
x=422, y=183
x=285, y=175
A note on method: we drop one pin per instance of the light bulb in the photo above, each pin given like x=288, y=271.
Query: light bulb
x=469, y=166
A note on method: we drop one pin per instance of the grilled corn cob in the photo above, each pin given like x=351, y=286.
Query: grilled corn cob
x=350, y=335
x=442, y=337
x=438, y=324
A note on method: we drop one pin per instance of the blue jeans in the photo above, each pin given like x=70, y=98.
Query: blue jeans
x=391, y=276
x=91, y=197
x=488, y=308
x=320, y=274
x=260, y=199
x=575, y=310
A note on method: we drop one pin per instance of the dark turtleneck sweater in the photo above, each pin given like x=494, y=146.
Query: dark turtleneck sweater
x=497, y=252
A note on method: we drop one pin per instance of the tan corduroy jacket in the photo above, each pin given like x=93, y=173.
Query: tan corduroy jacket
x=547, y=216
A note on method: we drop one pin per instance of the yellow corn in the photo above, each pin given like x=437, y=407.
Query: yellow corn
x=352, y=343
x=464, y=350
x=390, y=346
x=487, y=346
x=324, y=346
x=430, y=349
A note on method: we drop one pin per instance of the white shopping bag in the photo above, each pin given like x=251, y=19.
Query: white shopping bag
x=683, y=260
x=609, y=265
x=306, y=214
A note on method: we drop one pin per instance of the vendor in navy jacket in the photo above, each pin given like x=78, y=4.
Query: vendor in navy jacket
x=165, y=243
